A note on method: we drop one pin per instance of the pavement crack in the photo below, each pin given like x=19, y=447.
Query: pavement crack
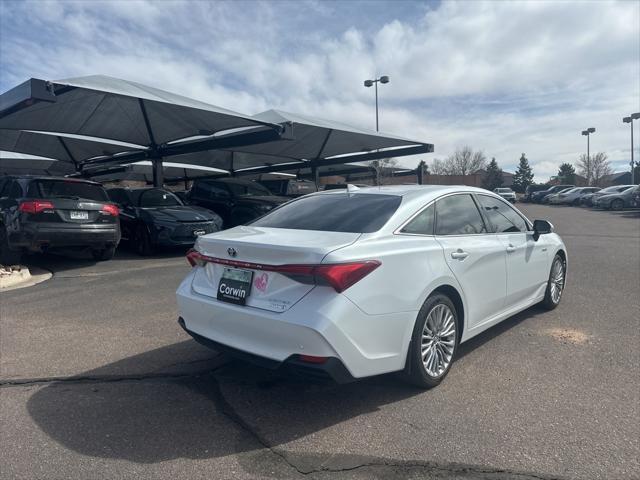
x=476, y=471
x=19, y=382
x=227, y=409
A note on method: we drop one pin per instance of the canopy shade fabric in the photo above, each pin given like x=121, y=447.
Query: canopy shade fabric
x=110, y=108
x=60, y=147
x=28, y=165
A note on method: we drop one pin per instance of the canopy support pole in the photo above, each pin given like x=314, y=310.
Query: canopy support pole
x=158, y=174
x=420, y=172
x=156, y=158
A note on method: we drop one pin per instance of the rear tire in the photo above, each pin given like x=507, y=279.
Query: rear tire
x=8, y=257
x=434, y=342
x=617, y=205
x=556, y=283
x=103, y=254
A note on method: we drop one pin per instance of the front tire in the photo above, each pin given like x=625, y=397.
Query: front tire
x=142, y=241
x=556, y=283
x=434, y=342
x=617, y=205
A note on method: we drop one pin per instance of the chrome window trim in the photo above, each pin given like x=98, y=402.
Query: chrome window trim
x=398, y=231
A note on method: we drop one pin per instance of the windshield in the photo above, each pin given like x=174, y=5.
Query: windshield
x=157, y=197
x=344, y=212
x=248, y=189
x=503, y=190
x=571, y=190
x=67, y=189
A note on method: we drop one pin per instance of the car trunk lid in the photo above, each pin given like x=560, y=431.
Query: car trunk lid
x=252, y=248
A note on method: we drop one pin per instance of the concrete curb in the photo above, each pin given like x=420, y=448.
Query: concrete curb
x=23, y=278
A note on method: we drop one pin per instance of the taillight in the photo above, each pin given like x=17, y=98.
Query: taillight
x=111, y=209
x=35, y=206
x=194, y=258
x=340, y=276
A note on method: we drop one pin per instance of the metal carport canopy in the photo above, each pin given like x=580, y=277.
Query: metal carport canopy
x=311, y=143
x=78, y=115
x=105, y=109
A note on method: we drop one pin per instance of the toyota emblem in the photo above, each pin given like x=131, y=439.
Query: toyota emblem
x=232, y=252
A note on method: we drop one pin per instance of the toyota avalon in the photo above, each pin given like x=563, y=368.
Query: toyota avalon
x=358, y=282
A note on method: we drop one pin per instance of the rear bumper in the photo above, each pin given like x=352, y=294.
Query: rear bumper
x=332, y=369
x=35, y=236
x=321, y=324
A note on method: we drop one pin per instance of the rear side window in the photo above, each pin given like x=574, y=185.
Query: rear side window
x=458, y=215
x=67, y=189
x=501, y=216
x=423, y=223
x=354, y=213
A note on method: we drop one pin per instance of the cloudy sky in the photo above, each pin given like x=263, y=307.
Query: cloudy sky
x=503, y=77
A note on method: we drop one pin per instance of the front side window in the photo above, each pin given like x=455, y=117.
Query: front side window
x=502, y=217
x=343, y=212
x=458, y=215
x=423, y=223
x=158, y=198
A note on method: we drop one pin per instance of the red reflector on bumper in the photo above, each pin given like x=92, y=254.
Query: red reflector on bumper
x=312, y=359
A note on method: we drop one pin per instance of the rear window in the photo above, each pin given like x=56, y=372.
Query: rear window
x=67, y=189
x=352, y=213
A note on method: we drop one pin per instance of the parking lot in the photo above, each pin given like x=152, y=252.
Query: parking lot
x=97, y=379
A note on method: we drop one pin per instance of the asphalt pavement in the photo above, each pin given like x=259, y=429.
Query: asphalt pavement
x=97, y=381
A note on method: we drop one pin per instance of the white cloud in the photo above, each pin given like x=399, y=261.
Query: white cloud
x=504, y=77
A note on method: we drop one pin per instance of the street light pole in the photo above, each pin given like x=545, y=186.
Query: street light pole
x=630, y=119
x=370, y=83
x=588, y=132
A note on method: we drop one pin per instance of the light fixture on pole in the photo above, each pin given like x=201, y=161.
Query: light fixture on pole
x=371, y=83
x=630, y=119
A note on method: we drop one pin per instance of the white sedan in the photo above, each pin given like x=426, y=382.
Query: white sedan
x=358, y=282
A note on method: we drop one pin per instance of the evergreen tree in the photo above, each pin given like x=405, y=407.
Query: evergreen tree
x=523, y=176
x=493, y=178
x=567, y=174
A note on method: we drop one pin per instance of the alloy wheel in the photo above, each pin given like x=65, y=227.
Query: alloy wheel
x=557, y=280
x=438, y=340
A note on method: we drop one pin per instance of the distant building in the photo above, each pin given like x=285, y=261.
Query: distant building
x=620, y=178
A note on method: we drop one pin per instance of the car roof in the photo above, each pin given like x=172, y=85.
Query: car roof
x=412, y=191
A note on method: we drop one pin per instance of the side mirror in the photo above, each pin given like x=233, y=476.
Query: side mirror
x=541, y=227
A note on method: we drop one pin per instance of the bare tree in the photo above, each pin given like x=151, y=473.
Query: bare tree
x=600, y=167
x=585, y=168
x=383, y=169
x=465, y=161
x=438, y=167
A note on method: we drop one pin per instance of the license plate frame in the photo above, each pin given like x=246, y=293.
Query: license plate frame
x=79, y=215
x=235, y=285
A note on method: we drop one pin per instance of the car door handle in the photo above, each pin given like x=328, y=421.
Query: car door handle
x=459, y=254
x=511, y=249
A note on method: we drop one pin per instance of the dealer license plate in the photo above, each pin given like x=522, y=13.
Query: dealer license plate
x=79, y=215
x=235, y=285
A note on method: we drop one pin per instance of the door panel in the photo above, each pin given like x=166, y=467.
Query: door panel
x=527, y=266
x=476, y=258
x=480, y=273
